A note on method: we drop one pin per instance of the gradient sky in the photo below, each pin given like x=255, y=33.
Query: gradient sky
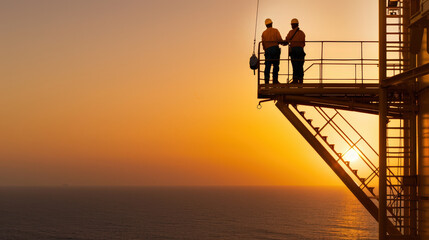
x=136, y=92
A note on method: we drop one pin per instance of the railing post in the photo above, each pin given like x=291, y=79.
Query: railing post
x=321, y=65
x=288, y=65
x=355, y=73
x=259, y=65
x=361, y=60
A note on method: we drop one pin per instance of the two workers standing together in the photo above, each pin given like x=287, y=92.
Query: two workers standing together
x=271, y=39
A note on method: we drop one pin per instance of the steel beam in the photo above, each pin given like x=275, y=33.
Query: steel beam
x=407, y=77
x=334, y=103
x=382, y=213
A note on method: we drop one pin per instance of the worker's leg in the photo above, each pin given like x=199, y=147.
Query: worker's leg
x=276, y=69
x=267, y=71
x=301, y=71
x=295, y=64
x=268, y=62
x=276, y=63
x=295, y=67
x=300, y=55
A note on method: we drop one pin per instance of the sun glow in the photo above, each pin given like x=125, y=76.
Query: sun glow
x=352, y=155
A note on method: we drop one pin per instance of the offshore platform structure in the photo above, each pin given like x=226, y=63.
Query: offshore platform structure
x=391, y=182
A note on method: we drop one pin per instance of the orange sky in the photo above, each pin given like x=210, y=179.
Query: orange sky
x=154, y=92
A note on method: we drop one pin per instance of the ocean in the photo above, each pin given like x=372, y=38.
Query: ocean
x=199, y=213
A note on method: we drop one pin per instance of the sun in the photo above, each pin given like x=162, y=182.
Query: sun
x=351, y=155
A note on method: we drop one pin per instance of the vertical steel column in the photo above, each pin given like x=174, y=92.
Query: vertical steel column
x=382, y=217
x=413, y=165
x=361, y=61
x=410, y=62
x=408, y=56
x=321, y=65
x=406, y=153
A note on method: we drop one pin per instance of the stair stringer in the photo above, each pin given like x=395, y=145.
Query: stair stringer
x=333, y=164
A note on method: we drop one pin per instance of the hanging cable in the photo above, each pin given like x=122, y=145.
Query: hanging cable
x=256, y=26
x=254, y=61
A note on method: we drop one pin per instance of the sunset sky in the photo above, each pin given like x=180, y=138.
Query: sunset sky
x=137, y=92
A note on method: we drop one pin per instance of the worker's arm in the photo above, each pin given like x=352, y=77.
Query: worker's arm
x=303, y=37
x=288, y=36
x=263, y=42
x=300, y=38
x=279, y=37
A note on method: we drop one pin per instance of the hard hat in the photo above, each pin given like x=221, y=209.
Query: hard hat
x=294, y=21
x=268, y=21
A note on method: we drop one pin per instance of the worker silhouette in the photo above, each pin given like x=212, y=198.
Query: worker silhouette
x=296, y=40
x=270, y=42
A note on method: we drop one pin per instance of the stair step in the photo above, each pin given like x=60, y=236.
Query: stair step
x=354, y=171
x=362, y=180
x=309, y=121
x=325, y=138
x=302, y=113
x=332, y=146
x=316, y=129
x=347, y=163
x=371, y=189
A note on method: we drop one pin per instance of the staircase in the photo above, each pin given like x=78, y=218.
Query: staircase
x=360, y=181
x=352, y=146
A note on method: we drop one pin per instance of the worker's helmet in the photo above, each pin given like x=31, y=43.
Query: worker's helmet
x=268, y=21
x=294, y=21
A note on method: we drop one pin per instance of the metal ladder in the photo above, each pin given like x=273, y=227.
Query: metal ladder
x=397, y=43
x=401, y=208
x=401, y=180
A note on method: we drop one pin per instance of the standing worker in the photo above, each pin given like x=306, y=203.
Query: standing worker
x=296, y=41
x=270, y=42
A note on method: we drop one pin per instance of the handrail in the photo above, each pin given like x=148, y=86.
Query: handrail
x=360, y=74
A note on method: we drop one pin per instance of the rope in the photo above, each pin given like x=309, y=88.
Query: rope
x=256, y=26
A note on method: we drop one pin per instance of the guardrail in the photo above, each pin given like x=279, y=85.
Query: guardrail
x=330, y=62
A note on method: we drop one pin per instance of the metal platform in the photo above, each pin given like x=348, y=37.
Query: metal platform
x=315, y=89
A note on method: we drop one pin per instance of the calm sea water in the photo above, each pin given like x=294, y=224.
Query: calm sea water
x=183, y=213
